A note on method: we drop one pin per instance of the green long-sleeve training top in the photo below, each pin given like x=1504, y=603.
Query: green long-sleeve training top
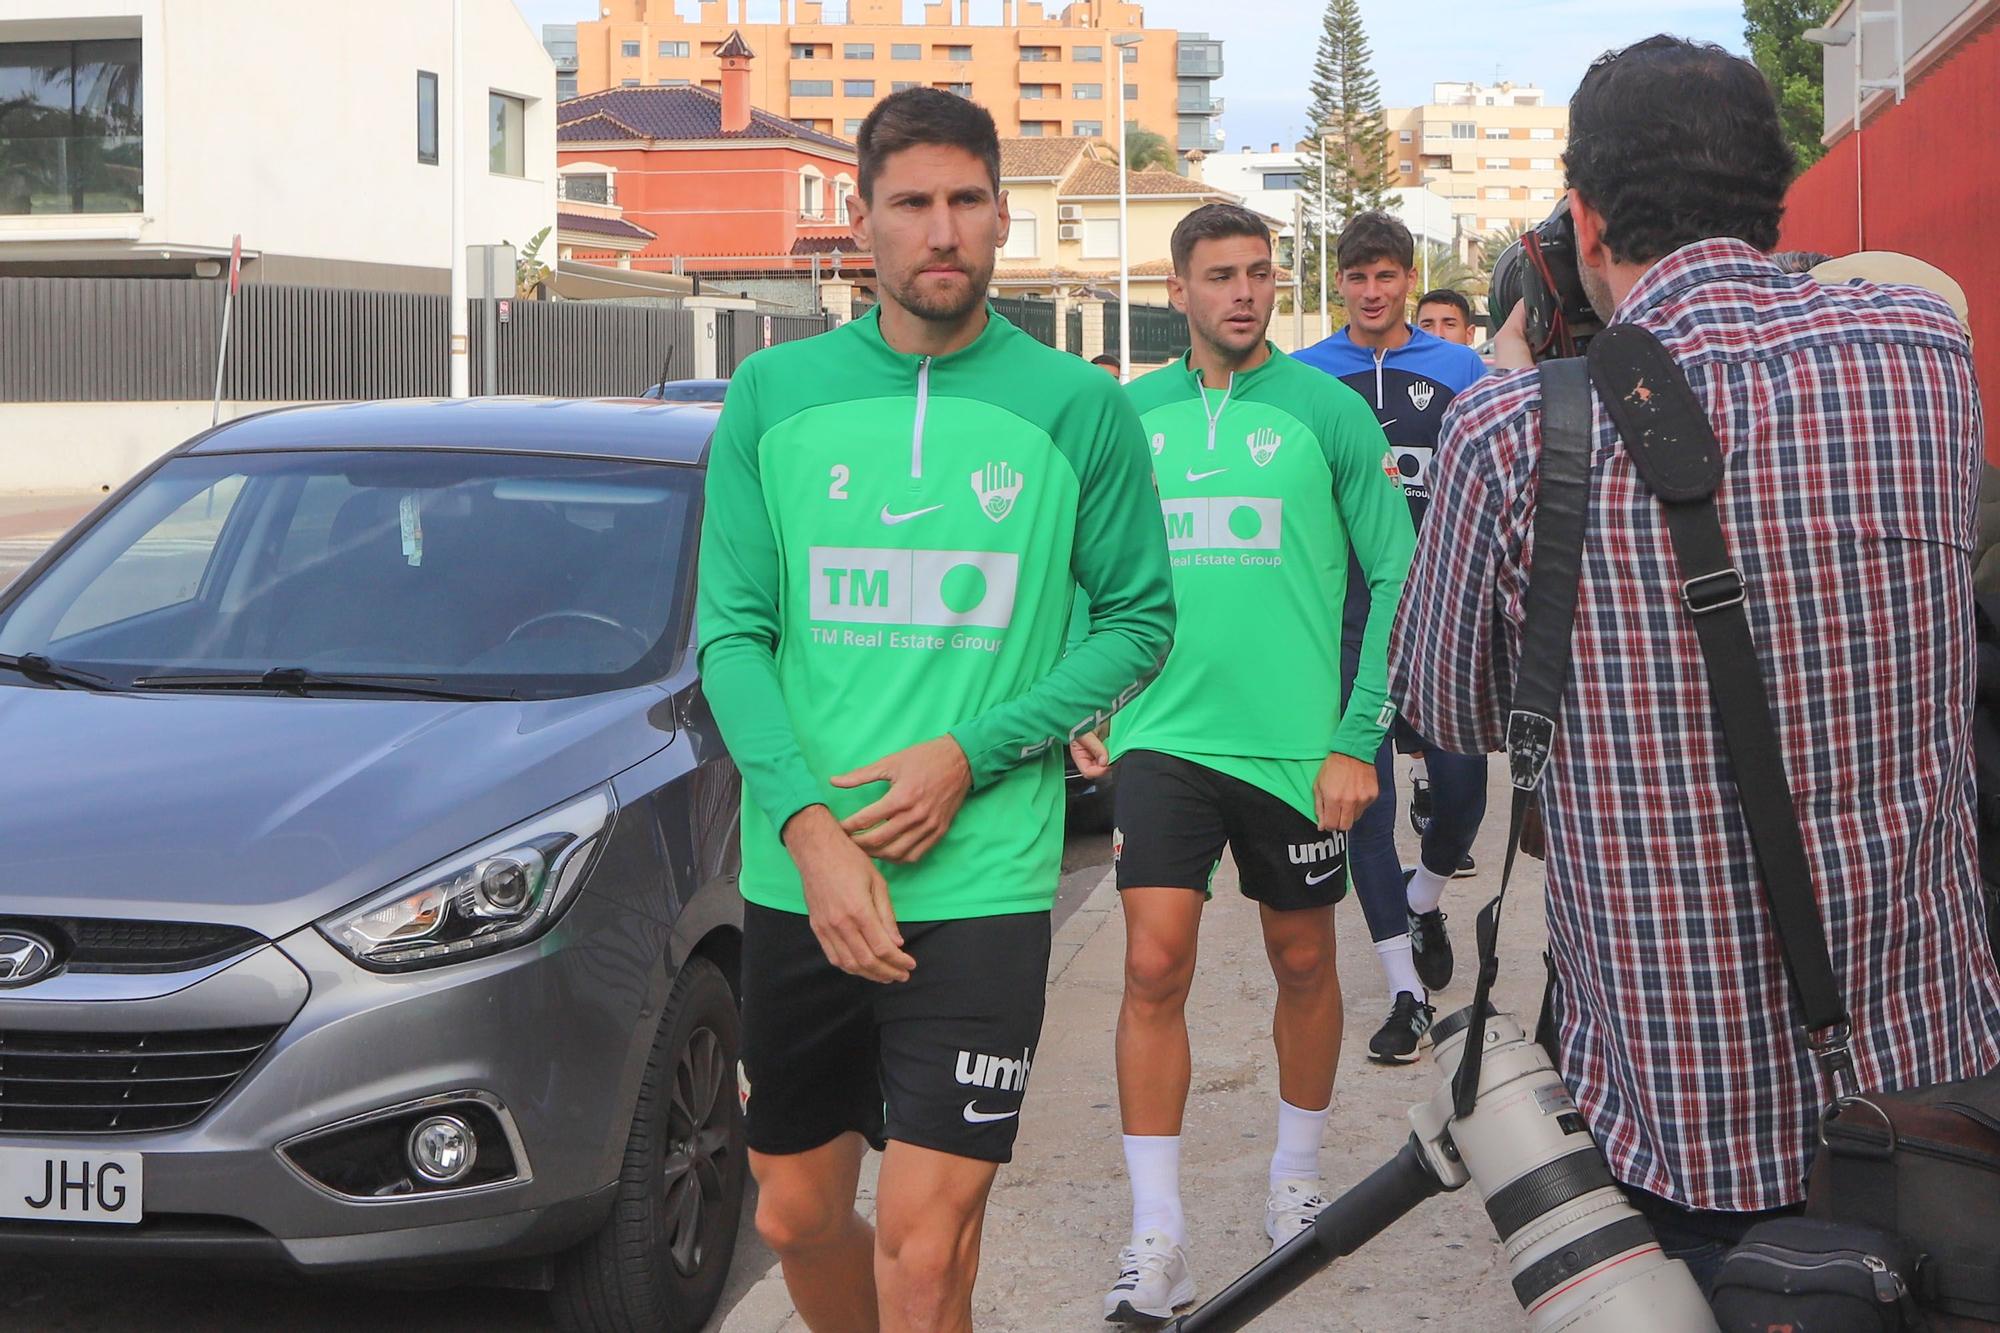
x=1268, y=482
x=889, y=551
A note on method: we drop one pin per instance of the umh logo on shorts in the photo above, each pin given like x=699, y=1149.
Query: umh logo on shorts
x=1224, y=523
x=1001, y=1073
x=885, y=586
x=1316, y=853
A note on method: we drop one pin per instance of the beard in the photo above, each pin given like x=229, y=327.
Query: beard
x=1225, y=340
x=944, y=306
x=1597, y=290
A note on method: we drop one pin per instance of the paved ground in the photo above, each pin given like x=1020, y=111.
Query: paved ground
x=28, y=523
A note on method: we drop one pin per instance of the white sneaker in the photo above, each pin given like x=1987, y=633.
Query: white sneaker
x=1153, y=1281
x=1290, y=1209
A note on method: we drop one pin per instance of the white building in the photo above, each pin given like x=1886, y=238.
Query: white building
x=1272, y=182
x=321, y=133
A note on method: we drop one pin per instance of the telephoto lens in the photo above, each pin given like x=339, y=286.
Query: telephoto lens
x=1582, y=1257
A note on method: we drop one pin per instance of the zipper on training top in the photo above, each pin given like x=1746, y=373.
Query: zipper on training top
x=1379, y=354
x=1215, y=417
x=923, y=402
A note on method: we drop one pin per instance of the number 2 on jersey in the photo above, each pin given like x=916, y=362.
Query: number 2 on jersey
x=837, y=490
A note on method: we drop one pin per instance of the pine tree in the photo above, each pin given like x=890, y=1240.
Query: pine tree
x=1345, y=167
x=1774, y=32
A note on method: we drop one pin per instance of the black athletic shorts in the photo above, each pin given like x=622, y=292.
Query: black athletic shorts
x=940, y=1061
x=1174, y=817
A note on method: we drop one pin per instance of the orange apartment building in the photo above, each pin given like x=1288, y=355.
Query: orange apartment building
x=1040, y=74
x=652, y=175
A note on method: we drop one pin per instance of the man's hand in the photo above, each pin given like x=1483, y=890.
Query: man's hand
x=1092, y=759
x=847, y=899
x=927, y=784
x=1344, y=788
x=1510, y=344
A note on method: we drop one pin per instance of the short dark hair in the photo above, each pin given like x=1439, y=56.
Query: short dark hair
x=1213, y=222
x=1371, y=236
x=1446, y=296
x=1676, y=142
x=919, y=116
x=1798, y=261
x=1107, y=359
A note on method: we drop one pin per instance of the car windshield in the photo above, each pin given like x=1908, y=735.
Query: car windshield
x=693, y=391
x=486, y=573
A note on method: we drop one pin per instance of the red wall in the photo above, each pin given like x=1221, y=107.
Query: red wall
x=1930, y=183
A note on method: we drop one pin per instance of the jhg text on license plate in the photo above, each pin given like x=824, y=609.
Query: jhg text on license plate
x=71, y=1186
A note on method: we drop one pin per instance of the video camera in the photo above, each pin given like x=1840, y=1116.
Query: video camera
x=1583, y=1259
x=1540, y=269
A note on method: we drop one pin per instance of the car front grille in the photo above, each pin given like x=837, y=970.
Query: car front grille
x=101, y=944
x=119, y=1082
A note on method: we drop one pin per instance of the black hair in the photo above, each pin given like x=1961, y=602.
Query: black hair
x=918, y=116
x=1213, y=222
x=1107, y=359
x=1798, y=261
x=1675, y=142
x=1371, y=236
x=1446, y=296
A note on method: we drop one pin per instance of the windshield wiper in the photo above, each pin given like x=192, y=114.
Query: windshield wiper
x=37, y=667
x=304, y=680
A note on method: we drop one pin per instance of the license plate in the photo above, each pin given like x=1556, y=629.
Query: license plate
x=71, y=1186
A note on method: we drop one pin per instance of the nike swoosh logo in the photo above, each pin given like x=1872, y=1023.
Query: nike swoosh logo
x=1390, y=422
x=1204, y=476
x=975, y=1116
x=890, y=518
x=1321, y=879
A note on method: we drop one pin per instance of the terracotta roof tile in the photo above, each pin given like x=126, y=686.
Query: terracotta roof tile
x=1101, y=179
x=1040, y=159
x=603, y=226
x=671, y=113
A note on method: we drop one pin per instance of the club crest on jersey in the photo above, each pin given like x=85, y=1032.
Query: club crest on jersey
x=1389, y=466
x=1263, y=445
x=996, y=485
x=1420, y=396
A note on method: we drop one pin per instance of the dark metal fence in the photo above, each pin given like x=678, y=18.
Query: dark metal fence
x=1159, y=332
x=1073, y=335
x=1035, y=318
x=155, y=340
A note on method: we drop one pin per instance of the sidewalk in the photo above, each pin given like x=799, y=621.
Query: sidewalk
x=1060, y=1211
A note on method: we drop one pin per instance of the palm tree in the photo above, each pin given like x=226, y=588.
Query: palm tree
x=1144, y=148
x=1491, y=246
x=1448, y=271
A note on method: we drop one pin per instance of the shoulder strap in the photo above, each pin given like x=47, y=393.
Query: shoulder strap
x=1674, y=448
x=1562, y=500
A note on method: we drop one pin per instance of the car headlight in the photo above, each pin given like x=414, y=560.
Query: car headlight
x=503, y=892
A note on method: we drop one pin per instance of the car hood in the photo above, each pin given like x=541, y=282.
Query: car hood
x=269, y=812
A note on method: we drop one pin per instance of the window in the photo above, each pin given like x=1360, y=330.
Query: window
x=957, y=89
x=1497, y=132
x=1542, y=132
x=843, y=189
x=1496, y=192
x=506, y=136
x=673, y=50
x=857, y=88
x=1022, y=241
x=1498, y=163
x=1542, y=163
x=630, y=50
x=1087, y=92
x=1284, y=180
x=812, y=87
x=628, y=83
x=1037, y=54
x=1100, y=238
x=427, y=117
x=1031, y=92
x=164, y=567
x=673, y=83
x=858, y=51
x=906, y=51
x=1131, y=92
x=565, y=87
x=70, y=139
x=1131, y=54
x=1032, y=129
x=810, y=182
x=1403, y=136
x=804, y=51
x=1406, y=166
x=899, y=85
x=957, y=52
x=587, y=187
x=1463, y=129
x=1089, y=129
x=1545, y=195
x=850, y=128
x=1087, y=54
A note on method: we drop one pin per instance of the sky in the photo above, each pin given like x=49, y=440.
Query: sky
x=1269, y=44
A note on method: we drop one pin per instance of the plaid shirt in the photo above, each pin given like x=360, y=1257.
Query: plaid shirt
x=1850, y=424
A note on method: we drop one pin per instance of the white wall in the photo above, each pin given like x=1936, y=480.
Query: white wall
x=89, y=446
x=295, y=124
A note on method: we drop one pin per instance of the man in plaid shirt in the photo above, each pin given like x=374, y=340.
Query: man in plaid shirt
x=1850, y=424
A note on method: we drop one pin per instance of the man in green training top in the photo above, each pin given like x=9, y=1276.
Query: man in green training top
x=899, y=513
x=1269, y=473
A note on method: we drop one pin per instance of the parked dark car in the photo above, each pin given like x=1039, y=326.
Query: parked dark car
x=372, y=861
x=688, y=391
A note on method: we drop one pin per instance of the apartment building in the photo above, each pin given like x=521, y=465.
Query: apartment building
x=1494, y=151
x=1272, y=181
x=1041, y=73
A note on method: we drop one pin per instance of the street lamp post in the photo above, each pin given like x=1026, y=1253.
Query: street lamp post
x=461, y=348
x=1120, y=42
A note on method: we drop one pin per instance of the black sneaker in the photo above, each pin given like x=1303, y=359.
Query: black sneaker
x=1430, y=948
x=1466, y=869
x=1420, y=805
x=1396, y=1042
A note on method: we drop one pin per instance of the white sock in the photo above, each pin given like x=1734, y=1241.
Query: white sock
x=1153, y=1164
x=1399, y=968
x=1419, y=771
x=1299, y=1134
x=1426, y=888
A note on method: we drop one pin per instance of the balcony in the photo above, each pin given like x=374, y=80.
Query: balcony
x=1202, y=135
x=1198, y=104
x=599, y=190
x=1198, y=59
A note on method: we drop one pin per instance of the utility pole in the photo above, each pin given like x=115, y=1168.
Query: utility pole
x=461, y=334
